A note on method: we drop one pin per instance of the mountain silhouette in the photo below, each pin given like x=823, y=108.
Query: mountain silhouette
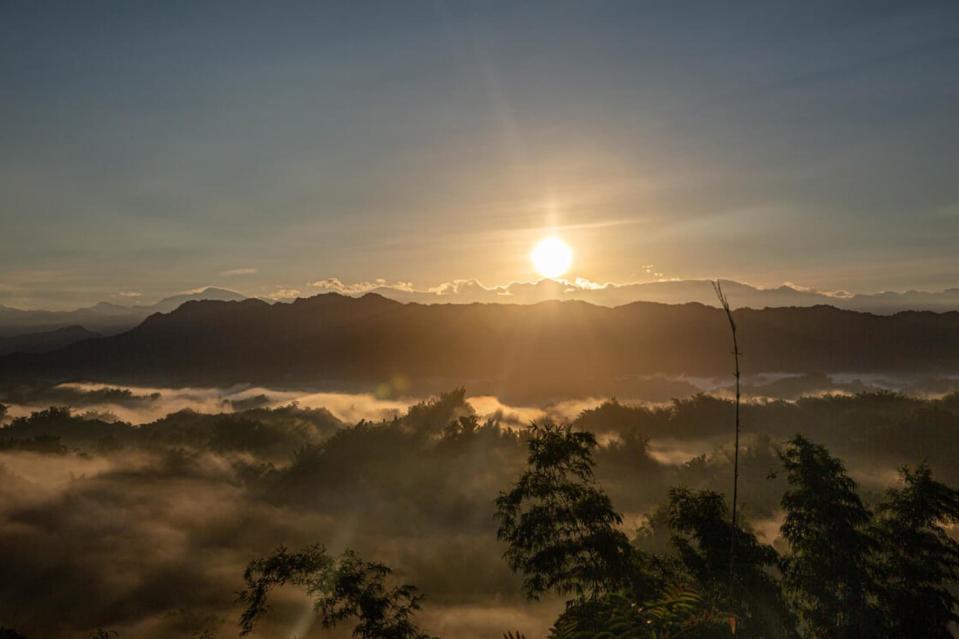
x=332, y=340
x=665, y=292
x=103, y=317
x=44, y=341
x=108, y=318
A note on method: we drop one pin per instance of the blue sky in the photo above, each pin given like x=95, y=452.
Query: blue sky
x=151, y=148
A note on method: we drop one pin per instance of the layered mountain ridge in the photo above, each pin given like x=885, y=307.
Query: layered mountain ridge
x=573, y=347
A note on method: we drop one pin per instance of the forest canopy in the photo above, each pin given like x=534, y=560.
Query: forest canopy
x=180, y=506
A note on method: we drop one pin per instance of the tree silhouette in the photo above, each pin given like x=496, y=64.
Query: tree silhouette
x=718, y=288
x=829, y=573
x=701, y=530
x=847, y=574
x=677, y=612
x=559, y=525
x=343, y=588
x=920, y=559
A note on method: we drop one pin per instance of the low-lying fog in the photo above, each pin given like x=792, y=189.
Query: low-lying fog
x=140, y=404
x=137, y=509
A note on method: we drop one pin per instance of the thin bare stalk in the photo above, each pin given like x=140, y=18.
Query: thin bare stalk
x=732, y=537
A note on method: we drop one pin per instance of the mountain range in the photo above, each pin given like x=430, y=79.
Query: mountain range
x=45, y=340
x=557, y=348
x=108, y=318
x=104, y=317
x=666, y=292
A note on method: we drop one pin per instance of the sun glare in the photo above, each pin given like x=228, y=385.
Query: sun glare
x=552, y=257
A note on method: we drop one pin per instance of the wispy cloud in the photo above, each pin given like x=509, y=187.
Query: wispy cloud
x=472, y=290
x=130, y=294
x=284, y=294
x=238, y=271
x=336, y=285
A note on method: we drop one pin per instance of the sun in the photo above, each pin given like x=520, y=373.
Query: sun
x=552, y=257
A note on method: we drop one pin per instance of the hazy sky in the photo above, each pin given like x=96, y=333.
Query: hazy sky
x=150, y=148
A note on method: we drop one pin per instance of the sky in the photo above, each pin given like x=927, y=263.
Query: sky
x=152, y=148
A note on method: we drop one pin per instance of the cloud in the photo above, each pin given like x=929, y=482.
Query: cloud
x=468, y=291
x=467, y=287
x=238, y=271
x=583, y=283
x=130, y=294
x=335, y=285
x=140, y=404
x=284, y=294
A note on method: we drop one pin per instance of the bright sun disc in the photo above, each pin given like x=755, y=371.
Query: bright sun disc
x=552, y=257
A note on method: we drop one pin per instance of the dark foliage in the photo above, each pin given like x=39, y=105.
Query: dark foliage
x=426, y=480
x=920, y=559
x=829, y=573
x=700, y=525
x=559, y=526
x=342, y=589
x=677, y=612
x=46, y=444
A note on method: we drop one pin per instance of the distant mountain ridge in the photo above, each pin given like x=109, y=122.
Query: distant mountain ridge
x=103, y=317
x=45, y=341
x=109, y=318
x=569, y=347
x=665, y=292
